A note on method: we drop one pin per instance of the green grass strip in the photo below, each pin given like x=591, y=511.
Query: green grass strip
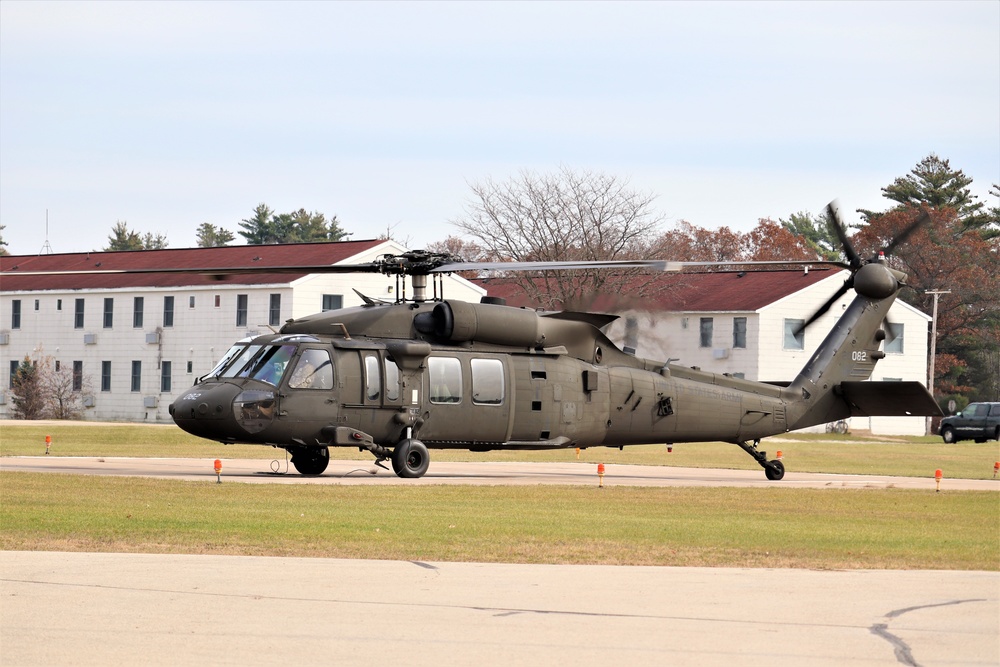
x=774, y=527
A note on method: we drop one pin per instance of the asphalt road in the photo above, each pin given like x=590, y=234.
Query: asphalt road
x=442, y=472
x=97, y=608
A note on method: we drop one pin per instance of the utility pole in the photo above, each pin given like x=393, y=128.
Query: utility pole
x=930, y=371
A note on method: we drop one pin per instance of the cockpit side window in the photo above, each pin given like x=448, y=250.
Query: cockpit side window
x=271, y=363
x=314, y=370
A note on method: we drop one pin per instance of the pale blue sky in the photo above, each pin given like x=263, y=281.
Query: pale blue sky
x=167, y=115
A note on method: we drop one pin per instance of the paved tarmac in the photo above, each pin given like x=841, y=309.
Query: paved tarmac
x=443, y=472
x=99, y=609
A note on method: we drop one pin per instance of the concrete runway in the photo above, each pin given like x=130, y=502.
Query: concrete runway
x=96, y=608
x=443, y=472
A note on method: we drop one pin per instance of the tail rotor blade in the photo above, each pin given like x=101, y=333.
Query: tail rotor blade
x=833, y=217
x=905, y=234
x=826, y=306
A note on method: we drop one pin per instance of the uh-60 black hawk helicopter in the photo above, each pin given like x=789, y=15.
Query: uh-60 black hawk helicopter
x=397, y=379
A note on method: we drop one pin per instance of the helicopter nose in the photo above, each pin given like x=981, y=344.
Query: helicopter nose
x=207, y=411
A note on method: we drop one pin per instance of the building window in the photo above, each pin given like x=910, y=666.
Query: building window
x=137, y=304
x=332, y=302
x=14, y=365
x=136, y=376
x=168, y=311
x=707, y=324
x=165, y=377
x=190, y=367
x=36, y=304
x=241, y=310
x=109, y=313
x=15, y=314
x=77, y=375
x=218, y=300
x=274, y=310
x=190, y=302
x=58, y=366
x=105, y=376
x=739, y=332
x=795, y=335
x=58, y=304
x=894, y=337
x=78, y=314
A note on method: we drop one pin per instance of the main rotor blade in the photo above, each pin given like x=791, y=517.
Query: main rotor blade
x=651, y=264
x=834, y=220
x=211, y=271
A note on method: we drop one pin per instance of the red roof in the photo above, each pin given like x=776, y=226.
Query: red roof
x=722, y=291
x=257, y=256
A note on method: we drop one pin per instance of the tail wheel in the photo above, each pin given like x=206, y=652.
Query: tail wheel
x=310, y=460
x=774, y=470
x=410, y=459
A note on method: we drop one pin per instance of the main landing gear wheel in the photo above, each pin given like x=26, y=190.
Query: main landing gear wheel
x=410, y=459
x=310, y=460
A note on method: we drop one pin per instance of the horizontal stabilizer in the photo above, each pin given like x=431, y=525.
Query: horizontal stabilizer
x=889, y=399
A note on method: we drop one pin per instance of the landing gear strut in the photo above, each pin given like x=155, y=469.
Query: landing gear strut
x=773, y=470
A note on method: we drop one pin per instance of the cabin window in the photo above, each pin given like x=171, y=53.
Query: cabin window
x=894, y=337
x=314, y=370
x=487, y=381
x=739, y=332
x=445, y=379
x=373, y=378
x=391, y=380
x=707, y=325
x=795, y=335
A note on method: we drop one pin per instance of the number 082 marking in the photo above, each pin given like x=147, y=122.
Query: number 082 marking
x=859, y=355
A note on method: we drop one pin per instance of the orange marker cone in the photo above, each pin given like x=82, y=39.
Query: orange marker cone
x=48, y=443
x=218, y=471
x=600, y=475
x=937, y=479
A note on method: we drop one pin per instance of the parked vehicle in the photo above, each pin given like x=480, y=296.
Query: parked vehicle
x=978, y=421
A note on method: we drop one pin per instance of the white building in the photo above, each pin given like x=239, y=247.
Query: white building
x=138, y=340
x=742, y=324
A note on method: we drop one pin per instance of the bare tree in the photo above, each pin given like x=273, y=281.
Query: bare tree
x=567, y=215
x=65, y=389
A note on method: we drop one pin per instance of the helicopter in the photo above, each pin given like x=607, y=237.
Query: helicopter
x=399, y=378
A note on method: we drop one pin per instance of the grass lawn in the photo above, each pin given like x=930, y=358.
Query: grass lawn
x=804, y=528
